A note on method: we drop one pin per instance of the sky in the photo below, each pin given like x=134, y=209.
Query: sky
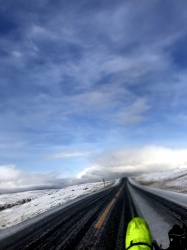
x=91, y=89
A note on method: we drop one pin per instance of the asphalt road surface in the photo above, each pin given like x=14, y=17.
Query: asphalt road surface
x=95, y=222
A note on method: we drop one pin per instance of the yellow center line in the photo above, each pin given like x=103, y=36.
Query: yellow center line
x=119, y=192
x=104, y=214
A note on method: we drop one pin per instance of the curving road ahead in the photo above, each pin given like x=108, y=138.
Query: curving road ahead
x=98, y=221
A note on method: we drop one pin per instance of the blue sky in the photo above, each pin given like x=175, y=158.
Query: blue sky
x=84, y=79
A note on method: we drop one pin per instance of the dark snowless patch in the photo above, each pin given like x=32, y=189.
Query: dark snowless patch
x=5, y=206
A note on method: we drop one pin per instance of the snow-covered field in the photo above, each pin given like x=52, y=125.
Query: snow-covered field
x=18, y=207
x=174, y=180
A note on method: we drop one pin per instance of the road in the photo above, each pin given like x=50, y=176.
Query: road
x=96, y=222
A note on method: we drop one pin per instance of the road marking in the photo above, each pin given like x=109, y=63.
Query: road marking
x=103, y=216
x=105, y=213
x=119, y=192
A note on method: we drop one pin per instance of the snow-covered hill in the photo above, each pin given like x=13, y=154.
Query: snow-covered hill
x=173, y=180
x=18, y=207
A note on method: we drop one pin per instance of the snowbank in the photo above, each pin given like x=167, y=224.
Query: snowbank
x=173, y=180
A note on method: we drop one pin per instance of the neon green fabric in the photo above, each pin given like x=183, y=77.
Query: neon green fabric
x=138, y=232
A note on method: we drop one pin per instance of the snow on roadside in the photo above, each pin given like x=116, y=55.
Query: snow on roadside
x=36, y=202
x=173, y=180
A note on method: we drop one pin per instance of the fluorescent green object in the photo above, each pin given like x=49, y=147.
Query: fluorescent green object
x=138, y=235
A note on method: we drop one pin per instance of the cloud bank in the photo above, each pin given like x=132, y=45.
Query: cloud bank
x=12, y=179
x=129, y=161
x=109, y=165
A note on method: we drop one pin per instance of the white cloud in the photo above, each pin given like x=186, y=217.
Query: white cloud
x=133, y=113
x=17, y=54
x=13, y=178
x=8, y=173
x=126, y=161
x=39, y=32
x=97, y=173
x=87, y=171
x=67, y=155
